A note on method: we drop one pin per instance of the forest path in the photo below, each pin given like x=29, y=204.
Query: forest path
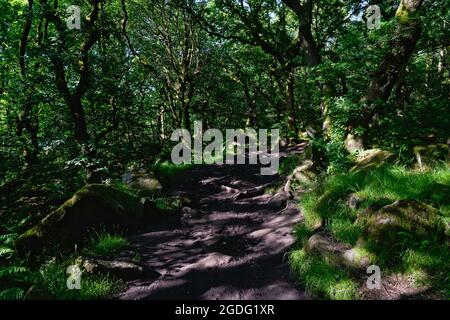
x=231, y=243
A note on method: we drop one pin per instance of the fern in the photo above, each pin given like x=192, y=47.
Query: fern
x=11, y=271
x=8, y=239
x=5, y=237
x=4, y=251
x=12, y=294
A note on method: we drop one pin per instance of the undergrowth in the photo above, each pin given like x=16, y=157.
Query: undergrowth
x=426, y=259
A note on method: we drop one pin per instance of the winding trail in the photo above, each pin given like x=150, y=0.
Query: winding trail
x=231, y=242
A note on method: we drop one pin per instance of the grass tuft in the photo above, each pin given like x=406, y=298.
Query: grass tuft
x=168, y=171
x=93, y=286
x=321, y=279
x=106, y=244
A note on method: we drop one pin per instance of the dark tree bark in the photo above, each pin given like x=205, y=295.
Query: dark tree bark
x=25, y=120
x=306, y=41
x=303, y=11
x=186, y=118
x=73, y=99
x=290, y=101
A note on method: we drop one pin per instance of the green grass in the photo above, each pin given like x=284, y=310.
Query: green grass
x=49, y=279
x=425, y=258
x=52, y=279
x=321, y=279
x=168, y=205
x=302, y=233
x=106, y=244
x=137, y=257
x=376, y=187
x=273, y=189
x=119, y=185
x=168, y=171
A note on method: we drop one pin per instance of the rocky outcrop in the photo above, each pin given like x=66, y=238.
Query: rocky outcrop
x=94, y=206
x=336, y=253
x=412, y=216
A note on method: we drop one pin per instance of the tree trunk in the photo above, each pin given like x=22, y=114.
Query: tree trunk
x=186, y=118
x=285, y=83
x=387, y=75
x=303, y=11
x=25, y=120
x=250, y=106
x=80, y=129
x=290, y=102
x=73, y=97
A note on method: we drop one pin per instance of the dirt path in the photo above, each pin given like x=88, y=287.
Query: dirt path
x=231, y=243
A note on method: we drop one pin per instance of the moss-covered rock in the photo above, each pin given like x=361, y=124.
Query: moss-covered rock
x=93, y=206
x=338, y=254
x=142, y=180
x=411, y=216
x=431, y=154
x=372, y=158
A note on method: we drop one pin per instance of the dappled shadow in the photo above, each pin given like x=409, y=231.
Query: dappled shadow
x=224, y=248
x=264, y=278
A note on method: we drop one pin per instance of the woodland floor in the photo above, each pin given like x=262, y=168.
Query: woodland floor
x=230, y=244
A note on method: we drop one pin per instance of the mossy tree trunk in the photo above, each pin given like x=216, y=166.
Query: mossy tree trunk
x=394, y=62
